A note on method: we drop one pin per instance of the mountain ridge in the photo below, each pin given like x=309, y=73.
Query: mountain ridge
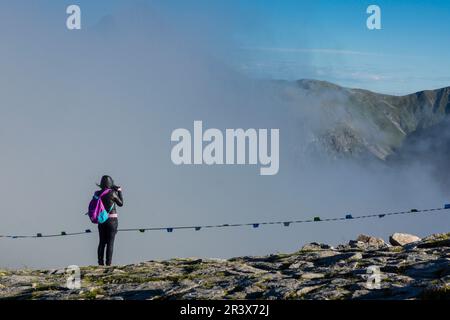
x=332, y=84
x=366, y=122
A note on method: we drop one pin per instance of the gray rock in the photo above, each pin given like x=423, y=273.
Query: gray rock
x=435, y=241
x=371, y=241
x=306, y=290
x=433, y=270
x=311, y=275
x=314, y=246
x=401, y=239
x=330, y=260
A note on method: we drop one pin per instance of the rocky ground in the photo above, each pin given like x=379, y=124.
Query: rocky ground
x=417, y=270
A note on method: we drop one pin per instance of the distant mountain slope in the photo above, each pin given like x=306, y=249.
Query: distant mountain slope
x=429, y=146
x=362, y=122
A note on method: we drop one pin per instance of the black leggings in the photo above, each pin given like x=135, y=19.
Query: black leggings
x=107, y=231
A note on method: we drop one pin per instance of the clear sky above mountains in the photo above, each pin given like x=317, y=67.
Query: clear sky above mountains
x=326, y=40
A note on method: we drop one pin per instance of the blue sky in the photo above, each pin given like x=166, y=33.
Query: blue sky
x=321, y=39
x=329, y=40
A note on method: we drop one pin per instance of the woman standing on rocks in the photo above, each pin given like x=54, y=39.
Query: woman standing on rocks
x=108, y=229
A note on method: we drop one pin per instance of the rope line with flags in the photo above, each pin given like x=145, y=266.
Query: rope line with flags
x=347, y=217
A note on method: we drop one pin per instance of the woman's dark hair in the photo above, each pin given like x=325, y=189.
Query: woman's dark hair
x=106, y=183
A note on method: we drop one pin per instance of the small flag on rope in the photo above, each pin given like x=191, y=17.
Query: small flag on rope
x=286, y=224
x=39, y=235
x=63, y=233
x=255, y=225
x=381, y=215
x=169, y=229
x=414, y=210
x=317, y=219
x=142, y=230
x=197, y=228
x=447, y=206
x=348, y=216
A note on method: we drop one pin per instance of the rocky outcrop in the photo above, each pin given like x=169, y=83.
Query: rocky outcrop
x=401, y=239
x=372, y=241
x=366, y=268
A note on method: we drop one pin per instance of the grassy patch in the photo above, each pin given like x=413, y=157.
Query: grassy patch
x=192, y=268
x=4, y=273
x=136, y=278
x=51, y=286
x=396, y=249
x=92, y=294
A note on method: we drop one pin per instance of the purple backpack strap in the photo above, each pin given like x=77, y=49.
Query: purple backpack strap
x=103, y=193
